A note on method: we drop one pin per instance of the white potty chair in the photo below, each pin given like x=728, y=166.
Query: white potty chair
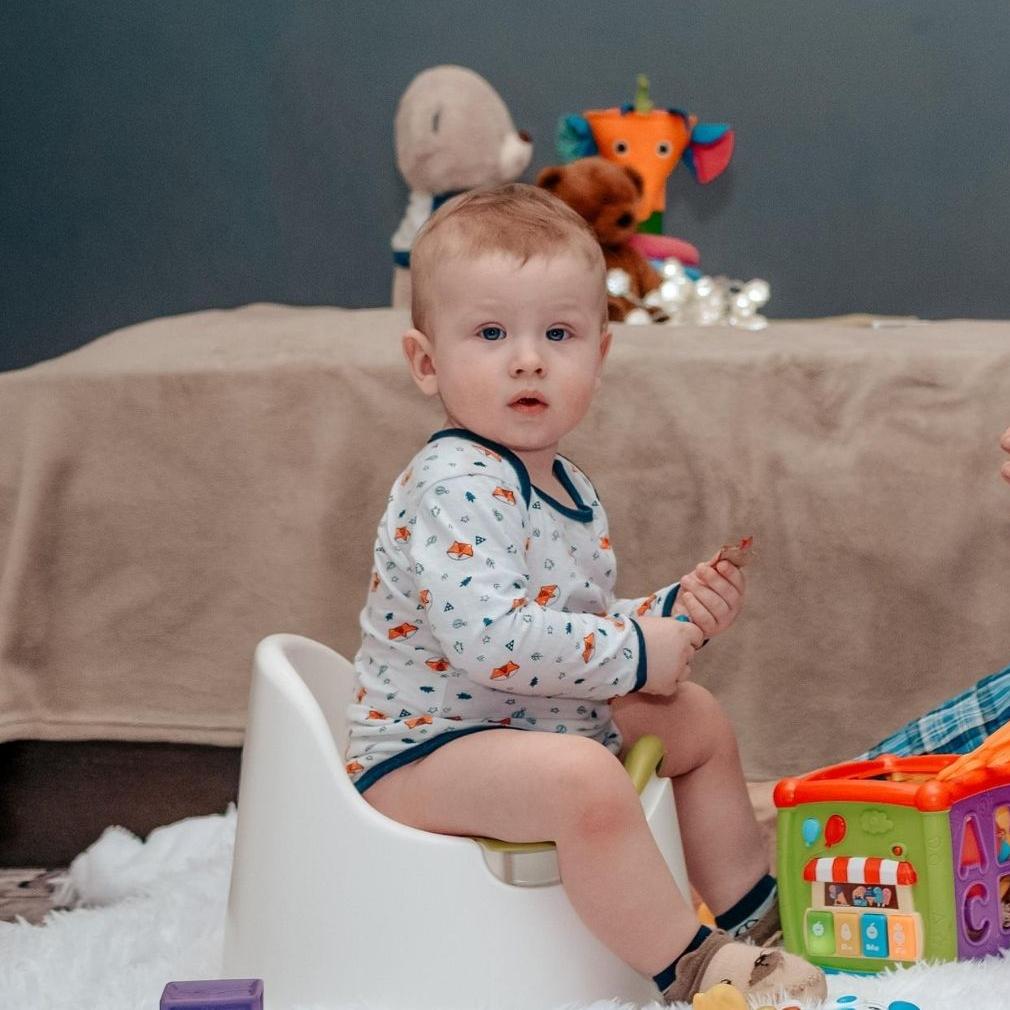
x=333, y=904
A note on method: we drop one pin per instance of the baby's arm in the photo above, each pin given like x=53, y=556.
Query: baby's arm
x=711, y=595
x=494, y=620
x=657, y=604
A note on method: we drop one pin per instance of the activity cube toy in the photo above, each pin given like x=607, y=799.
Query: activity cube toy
x=897, y=859
x=214, y=994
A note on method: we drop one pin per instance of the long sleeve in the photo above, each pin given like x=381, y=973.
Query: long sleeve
x=492, y=616
x=657, y=604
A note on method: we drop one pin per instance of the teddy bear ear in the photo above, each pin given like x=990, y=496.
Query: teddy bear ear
x=636, y=179
x=550, y=178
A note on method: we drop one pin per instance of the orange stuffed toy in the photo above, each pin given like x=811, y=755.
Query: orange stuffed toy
x=653, y=141
x=606, y=195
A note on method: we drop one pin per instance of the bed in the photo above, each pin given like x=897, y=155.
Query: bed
x=174, y=491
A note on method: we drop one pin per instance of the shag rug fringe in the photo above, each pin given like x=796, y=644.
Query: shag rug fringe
x=146, y=913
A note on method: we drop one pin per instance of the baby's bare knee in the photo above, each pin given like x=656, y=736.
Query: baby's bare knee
x=593, y=794
x=700, y=710
x=697, y=702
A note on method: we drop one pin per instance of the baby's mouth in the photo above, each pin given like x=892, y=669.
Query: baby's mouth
x=528, y=403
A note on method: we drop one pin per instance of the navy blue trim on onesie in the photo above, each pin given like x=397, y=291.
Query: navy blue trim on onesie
x=582, y=512
x=641, y=673
x=420, y=750
x=671, y=599
x=517, y=464
x=565, y=459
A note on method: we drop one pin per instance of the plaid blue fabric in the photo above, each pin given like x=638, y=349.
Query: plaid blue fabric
x=957, y=726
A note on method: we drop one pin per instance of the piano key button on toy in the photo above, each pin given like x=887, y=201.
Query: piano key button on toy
x=901, y=937
x=874, y=933
x=847, y=934
x=820, y=933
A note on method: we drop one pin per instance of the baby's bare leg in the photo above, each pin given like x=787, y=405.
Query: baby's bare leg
x=525, y=786
x=723, y=844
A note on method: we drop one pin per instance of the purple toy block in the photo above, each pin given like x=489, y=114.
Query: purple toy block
x=214, y=994
x=978, y=905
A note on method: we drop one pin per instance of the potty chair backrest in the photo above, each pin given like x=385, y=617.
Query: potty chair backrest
x=328, y=676
x=334, y=905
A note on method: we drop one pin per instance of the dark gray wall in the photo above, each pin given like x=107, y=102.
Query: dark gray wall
x=170, y=156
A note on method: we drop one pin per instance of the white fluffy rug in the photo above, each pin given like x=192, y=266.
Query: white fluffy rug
x=155, y=913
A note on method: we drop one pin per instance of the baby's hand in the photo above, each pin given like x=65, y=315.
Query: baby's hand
x=711, y=595
x=670, y=646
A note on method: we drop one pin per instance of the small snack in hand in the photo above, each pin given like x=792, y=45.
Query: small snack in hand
x=738, y=554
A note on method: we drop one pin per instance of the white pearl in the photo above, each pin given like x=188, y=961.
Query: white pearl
x=638, y=317
x=672, y=268
x=758, y=291
x=618, y=283
x=674, y=290
x=704, y=286
x=742, y=305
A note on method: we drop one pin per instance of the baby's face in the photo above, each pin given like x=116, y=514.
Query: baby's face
x=517, y=349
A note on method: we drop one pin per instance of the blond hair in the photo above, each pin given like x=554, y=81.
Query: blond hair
x=515, y=219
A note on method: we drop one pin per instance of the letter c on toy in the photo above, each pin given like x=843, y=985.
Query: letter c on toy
x=972, y=930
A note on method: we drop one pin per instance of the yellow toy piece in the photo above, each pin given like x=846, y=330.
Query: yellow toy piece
x=705, y=916
x=722, y=996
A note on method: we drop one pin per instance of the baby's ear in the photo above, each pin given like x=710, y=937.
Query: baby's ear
x=419, y=353
x=605, y=339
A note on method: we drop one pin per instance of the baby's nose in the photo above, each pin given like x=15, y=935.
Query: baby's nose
x=527, y=360
x=528, y=368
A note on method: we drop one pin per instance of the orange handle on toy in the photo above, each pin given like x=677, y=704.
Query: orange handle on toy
x=993, y=752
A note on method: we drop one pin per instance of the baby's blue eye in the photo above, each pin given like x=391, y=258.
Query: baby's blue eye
x=557, y=333
x=492, y=332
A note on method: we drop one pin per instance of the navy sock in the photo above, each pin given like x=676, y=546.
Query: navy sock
x=665, y=978
x=750, y=907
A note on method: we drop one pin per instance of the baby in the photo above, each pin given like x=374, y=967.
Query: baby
x=499, y=680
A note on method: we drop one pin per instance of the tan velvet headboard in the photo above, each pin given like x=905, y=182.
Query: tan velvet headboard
x=174, y=491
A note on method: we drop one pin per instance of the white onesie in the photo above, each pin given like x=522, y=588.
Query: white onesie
x=491, y=604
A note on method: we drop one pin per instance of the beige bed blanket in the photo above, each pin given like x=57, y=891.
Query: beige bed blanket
x=174, y=491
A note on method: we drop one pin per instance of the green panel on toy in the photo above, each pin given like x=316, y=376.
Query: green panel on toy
x=865, y=885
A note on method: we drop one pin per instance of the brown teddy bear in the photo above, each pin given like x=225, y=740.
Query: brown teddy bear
x=606, y=195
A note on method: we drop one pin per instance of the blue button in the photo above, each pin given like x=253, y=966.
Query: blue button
x=873, y=929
